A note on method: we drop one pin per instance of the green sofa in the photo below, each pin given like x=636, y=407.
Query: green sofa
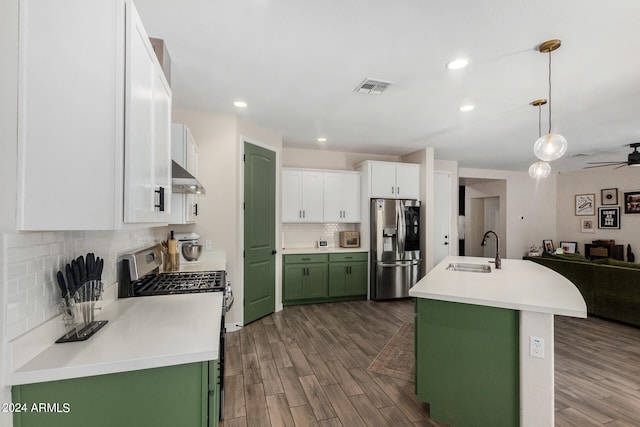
x=610, y=288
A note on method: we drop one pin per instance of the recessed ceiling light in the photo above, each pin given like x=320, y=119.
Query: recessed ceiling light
x=457, y=63
x=240, y=104
x=322, y=139
x=467, y=107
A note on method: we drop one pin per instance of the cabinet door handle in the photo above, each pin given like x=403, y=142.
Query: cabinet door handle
x=195, y=209
x=392, y=190
x=160, y=205
x=398, y=190
x=304, y=213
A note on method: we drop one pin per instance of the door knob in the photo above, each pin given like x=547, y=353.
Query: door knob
x=273, y=252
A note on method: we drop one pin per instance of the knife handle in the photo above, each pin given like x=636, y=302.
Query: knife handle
x=61, y=284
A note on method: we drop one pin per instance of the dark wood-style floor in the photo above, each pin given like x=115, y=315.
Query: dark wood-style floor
x=307, y=366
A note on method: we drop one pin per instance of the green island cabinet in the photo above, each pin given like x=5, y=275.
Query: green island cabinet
x=313, y=278
x=180, y=395
x=467, y=363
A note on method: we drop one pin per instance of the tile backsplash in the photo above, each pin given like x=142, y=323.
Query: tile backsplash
x=306, y=235
x=32, y=260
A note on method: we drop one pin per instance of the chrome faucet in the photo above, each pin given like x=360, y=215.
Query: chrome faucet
x=484, y=243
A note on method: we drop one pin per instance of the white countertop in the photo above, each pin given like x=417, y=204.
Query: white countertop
x=293, y=251
x=142, y=333
x=519, y=285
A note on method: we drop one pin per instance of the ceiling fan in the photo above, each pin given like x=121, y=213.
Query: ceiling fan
x=632, y=160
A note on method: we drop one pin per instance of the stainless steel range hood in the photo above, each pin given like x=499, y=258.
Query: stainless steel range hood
x=183, y=182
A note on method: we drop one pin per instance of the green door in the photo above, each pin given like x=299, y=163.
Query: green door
x=259, y=232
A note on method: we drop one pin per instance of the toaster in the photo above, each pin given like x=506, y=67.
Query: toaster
x=349, y=239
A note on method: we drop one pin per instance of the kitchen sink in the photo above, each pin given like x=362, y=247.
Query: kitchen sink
x=474, y=268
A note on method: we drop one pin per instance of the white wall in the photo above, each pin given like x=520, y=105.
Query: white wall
x=323, y=159
x=569, y=184
x=530, y=208
x=219, y=138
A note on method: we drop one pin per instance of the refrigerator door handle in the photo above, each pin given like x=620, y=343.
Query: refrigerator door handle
x=398, y=264
x=402, y=229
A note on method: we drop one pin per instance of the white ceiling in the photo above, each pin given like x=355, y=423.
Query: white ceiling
x=296, y=63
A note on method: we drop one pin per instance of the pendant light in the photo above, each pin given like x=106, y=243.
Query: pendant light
x=539, y=169
x=551, y=146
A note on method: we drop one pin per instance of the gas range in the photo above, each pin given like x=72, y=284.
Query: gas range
x=181, y=282
x=140, y=276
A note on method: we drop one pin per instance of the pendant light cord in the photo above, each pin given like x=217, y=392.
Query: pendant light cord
x=549, y=92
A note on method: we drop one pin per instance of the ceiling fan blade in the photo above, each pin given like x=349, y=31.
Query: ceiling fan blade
x=602, y=166
x=606, y=163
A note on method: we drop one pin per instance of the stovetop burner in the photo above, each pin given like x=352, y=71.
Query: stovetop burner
x=180, y=283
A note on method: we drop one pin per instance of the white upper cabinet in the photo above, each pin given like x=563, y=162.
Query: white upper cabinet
x=394, y=180
x=93, y=114
x=311, y=195
x=341, y=196
x=147, y=184
x=184, y=151
x=302, y=193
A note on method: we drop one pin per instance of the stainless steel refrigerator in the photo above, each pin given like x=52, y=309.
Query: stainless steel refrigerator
x=395, y=247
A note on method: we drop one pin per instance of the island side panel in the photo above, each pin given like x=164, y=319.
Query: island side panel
x=467, y=363
x=537, y=373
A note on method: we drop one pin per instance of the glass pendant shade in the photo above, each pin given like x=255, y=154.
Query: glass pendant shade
x=550, y=147
x=539, y=169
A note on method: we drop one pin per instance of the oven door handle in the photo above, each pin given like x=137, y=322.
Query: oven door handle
x=228, y=298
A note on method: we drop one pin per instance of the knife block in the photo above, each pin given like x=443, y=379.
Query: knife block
x=78, y=312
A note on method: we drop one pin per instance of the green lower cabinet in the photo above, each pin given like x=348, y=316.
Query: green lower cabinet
x=467, y=363
x=348, y=279
x=305, y=278
x=312, y=278
x=180, y=395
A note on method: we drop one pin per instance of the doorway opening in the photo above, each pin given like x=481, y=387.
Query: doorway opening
x=484, y=209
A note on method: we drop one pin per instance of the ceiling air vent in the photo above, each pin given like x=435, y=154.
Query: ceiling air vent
x=372, y=86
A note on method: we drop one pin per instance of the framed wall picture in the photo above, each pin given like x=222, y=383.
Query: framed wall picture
x=609, y=196
x=609, y=217
x=547, y=246
x=569, y=247
x=632, y=202
x=587, y=225
x=585, y=204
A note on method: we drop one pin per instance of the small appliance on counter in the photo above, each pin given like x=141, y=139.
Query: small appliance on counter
x=349, y=239
x=189, y=247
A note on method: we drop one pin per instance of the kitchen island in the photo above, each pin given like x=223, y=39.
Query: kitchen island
x=484, y=341
x=154, y=363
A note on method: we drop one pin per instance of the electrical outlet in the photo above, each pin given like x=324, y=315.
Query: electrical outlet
x=208, y=245
x=536, y=347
